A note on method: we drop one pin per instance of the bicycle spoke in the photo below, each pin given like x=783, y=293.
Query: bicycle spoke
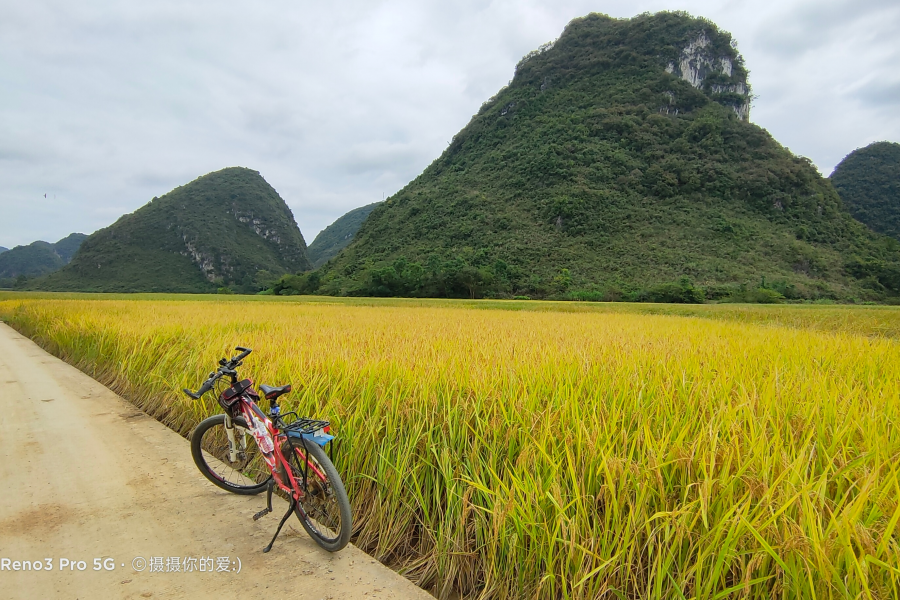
x=246, y=469
x=318, y=502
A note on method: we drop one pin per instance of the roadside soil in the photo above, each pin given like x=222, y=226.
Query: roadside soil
x=85, y=475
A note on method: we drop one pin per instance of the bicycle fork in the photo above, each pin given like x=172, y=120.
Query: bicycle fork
x=232, y=445
x=236, y=447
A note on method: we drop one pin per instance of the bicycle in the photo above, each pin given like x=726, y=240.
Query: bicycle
x=288, y=452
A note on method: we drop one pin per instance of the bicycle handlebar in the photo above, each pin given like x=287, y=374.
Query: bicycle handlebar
x=244, y=353
x=207, y=385
x=226, y=368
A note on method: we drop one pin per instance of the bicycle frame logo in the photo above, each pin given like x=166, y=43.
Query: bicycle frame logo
x=269, y=440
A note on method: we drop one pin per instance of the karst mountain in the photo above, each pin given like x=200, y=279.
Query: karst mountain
x=868, y=181
x=620, y=161
x=338, y=235
x=220, y=231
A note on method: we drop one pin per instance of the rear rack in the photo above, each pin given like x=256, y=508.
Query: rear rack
x=303, y=426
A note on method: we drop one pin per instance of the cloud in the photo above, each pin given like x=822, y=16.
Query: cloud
x=881, y=94
x=378, y=156
x=808, y=26
x=820, y=70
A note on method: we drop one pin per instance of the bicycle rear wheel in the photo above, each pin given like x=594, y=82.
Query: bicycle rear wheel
x=242, y=472
x=323, y=510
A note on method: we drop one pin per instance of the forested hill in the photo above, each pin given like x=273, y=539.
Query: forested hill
x=226, y=229
x=619, y=162
x=37, y=258
x=868, y=181
x=336, y=236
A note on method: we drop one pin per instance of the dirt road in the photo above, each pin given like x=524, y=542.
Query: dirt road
x=85, y=476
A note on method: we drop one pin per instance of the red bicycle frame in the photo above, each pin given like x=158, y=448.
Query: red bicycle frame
x=267, y=435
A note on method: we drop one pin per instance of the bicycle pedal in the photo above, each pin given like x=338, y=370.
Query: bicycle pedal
x=261, y=514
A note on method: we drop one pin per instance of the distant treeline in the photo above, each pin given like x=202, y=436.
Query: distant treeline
x=467, y=277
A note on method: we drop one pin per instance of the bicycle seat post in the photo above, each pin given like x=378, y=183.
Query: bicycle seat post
x=274, y=409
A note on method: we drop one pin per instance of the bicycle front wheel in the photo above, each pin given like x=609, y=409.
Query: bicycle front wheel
x=234, y=464
x=323, y=510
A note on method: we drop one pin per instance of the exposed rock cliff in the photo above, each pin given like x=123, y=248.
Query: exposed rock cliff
x=705, y=68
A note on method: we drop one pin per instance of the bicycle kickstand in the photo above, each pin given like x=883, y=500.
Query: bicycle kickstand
x=268, y=507
x=290, y=509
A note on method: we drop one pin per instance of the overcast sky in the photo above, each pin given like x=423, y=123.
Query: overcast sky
x=104, y=105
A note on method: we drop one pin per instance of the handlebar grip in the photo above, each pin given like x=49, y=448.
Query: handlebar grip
x=207, y=385
x=244, y=353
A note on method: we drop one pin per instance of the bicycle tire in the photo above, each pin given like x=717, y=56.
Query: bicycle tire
x=322, y=500
x=210, y=439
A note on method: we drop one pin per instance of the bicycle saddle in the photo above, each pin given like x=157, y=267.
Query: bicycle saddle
x=271, y=392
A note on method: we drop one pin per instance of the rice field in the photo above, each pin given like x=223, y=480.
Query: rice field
x=534, y=450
